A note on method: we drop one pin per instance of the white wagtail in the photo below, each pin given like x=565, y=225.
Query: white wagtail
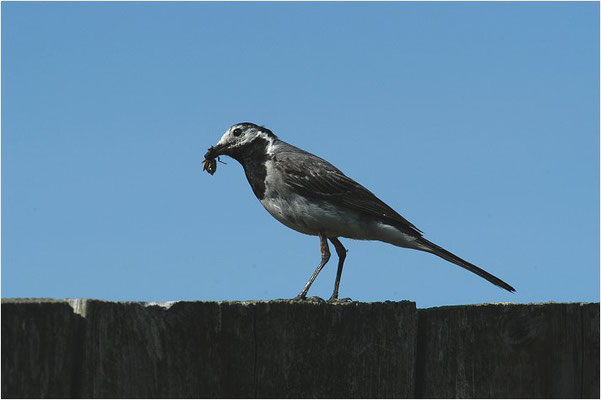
x=311, y=196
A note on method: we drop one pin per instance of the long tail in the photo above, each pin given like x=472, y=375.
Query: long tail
x=447, y=255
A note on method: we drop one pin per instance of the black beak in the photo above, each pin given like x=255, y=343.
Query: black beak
x=214, y=152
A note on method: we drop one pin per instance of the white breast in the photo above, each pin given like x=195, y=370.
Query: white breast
x=309, y=217
x=305, y=215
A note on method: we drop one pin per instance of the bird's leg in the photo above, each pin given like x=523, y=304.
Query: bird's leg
x=325, y=256
x=341, y=251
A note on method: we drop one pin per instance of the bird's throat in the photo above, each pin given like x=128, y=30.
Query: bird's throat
x=253, y=159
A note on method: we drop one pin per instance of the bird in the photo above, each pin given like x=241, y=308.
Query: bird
x=309, y=195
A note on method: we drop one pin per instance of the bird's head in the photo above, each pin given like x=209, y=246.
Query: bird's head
x=239, y=139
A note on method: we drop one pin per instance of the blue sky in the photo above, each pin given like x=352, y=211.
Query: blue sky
x=478, y=122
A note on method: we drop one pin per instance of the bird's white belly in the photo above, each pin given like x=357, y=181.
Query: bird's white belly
x=297, y=213
x=311, y=218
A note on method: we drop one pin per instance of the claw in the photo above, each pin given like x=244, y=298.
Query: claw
x=299, y=298
x=346, y=300
x=313, y=299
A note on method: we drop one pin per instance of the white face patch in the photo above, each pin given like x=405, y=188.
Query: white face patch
x=224, y=138
x=248, y=135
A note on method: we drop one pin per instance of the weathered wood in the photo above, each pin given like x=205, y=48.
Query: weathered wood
x=496, y=351
x=590, y=351
x=189, y=350
x=356, y=350
x=277, y=349
x=288, y=349
x=40, y=349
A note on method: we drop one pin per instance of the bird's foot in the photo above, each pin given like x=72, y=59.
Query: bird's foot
x=335, y=300
x=300, y=297
x=313, y=299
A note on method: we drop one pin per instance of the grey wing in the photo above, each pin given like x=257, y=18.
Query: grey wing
x=316, y=178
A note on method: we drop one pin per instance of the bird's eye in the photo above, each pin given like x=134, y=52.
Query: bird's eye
x=237, y=132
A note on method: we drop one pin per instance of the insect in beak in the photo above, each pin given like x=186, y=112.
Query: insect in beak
x=210, y=166
x=209, y=163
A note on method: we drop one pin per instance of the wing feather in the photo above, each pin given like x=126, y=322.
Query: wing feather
x=314, y=177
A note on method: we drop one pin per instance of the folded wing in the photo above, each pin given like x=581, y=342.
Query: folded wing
x=316, y=178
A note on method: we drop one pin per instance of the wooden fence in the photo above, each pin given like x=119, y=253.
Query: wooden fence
x=98, y=349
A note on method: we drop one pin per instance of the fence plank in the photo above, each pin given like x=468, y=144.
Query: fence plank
x=357, y=350
x=189, y=350
x=40, y=349
x=494, y=351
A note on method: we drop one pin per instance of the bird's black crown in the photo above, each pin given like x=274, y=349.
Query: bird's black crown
x=250, y=125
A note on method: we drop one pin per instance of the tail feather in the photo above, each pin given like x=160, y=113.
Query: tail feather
x=447, y=255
